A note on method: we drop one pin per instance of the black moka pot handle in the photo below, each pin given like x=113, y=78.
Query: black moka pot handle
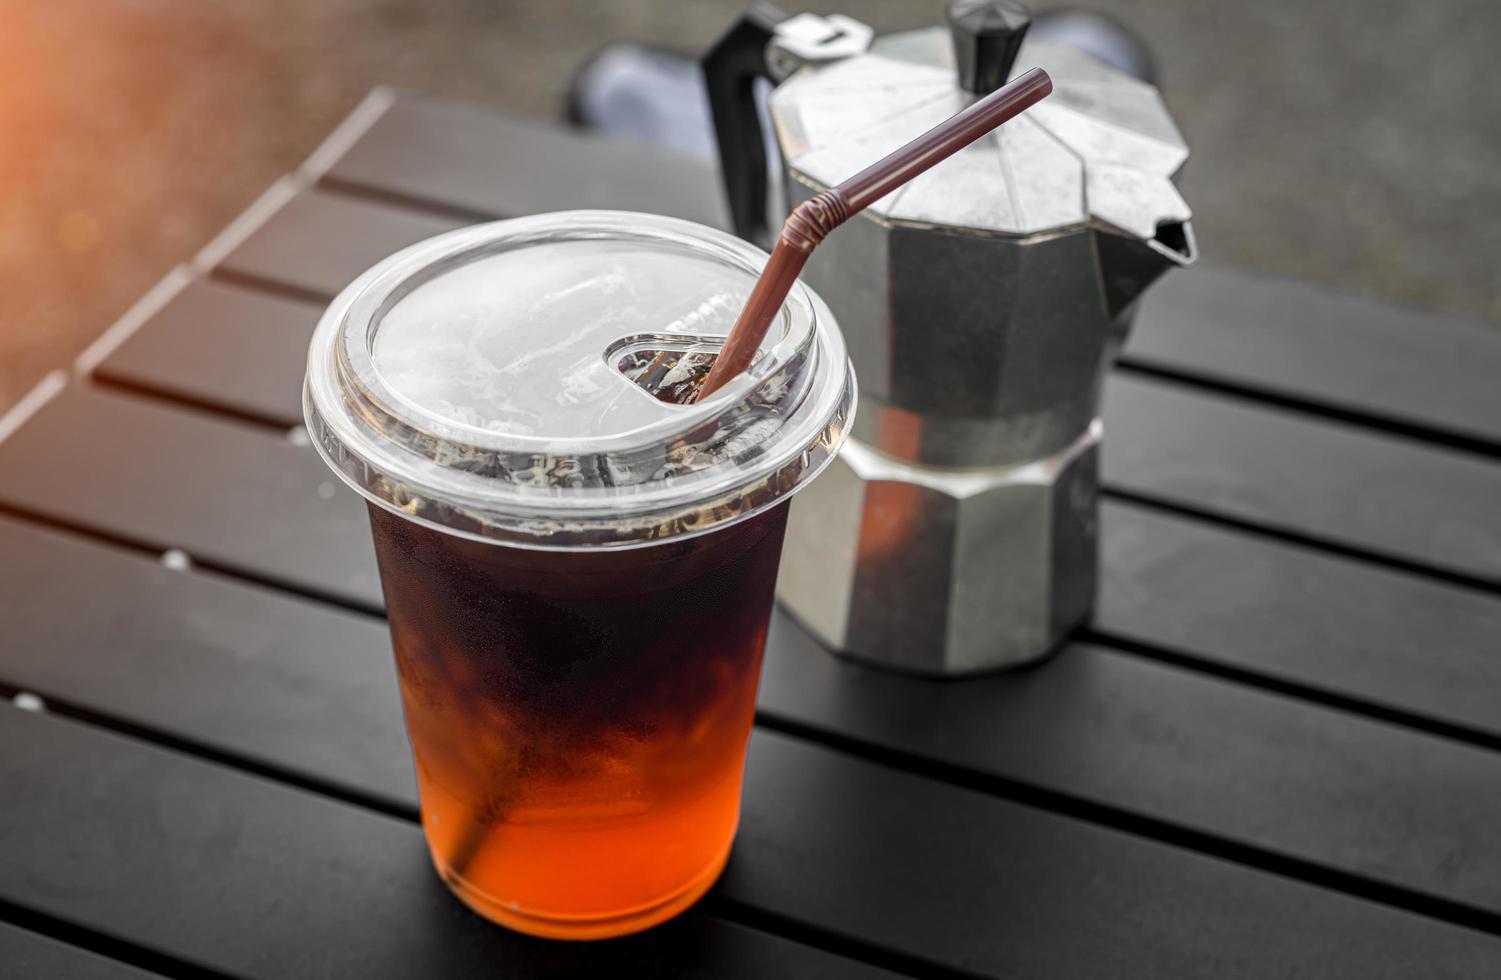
x=731, y=68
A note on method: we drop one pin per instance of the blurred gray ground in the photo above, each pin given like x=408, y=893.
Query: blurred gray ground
x=1353, y=142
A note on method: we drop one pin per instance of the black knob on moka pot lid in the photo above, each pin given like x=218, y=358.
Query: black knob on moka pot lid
x=987, y=36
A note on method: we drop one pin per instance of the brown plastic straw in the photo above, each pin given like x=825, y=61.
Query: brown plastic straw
x=815, y=218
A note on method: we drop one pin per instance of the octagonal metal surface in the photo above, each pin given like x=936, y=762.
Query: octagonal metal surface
x=1102, y=148
x=944, y=572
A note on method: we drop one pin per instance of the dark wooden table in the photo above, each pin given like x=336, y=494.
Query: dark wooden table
x=1277, y=752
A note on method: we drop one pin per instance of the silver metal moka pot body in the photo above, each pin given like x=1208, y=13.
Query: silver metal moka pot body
x=957, y=531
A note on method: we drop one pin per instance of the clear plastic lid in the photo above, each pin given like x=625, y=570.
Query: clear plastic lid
x=479, y=382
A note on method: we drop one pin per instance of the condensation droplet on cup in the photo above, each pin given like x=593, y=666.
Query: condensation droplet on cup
x=177, y=560
x=27, y=701
x=325, y=491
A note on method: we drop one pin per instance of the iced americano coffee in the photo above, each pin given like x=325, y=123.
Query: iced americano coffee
x=578, y=567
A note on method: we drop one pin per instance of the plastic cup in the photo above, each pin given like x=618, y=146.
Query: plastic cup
x=578, y=575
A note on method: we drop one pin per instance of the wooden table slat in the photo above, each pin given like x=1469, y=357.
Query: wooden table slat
x=1313, y=343
x=1288, y=472
x=1182, y=748
x=226, y=493
x=305, y=687
x=988, y=886
x=1186, y=750
x=258, y=880
x=1295, y=614
x=479, y=160
x=25, y=955
x=317, y=243
x=223, y=346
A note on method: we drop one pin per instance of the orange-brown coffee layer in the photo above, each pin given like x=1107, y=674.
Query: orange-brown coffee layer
x=579, y=719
